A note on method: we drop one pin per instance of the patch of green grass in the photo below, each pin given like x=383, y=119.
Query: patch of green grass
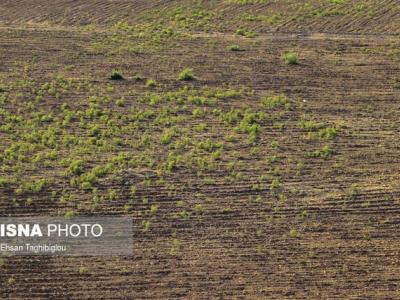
x=275, y=145
x=352, y=192
x=69, y=214
x=245, y=33
x=76, y=167
x=137, y=77
x=150, y=83
x=163, y=136
x=146, y=226
x=246, y=2
x=290, y=58
x=272, y=19
x=327, y=133
x=324, y=153
x=116, y=75
x=318, y=130
x=250, y=18
x=120, y=102
x=154, y=209
x=186, y=75
x=395, y=83
x=10, y=282
x=275, y=184
x=199, y=208
x=234, y=47
x=184, y=215
x=276, y=101
x=167, y=135
x=293, y=233
x=310, y=125
x=338, y=1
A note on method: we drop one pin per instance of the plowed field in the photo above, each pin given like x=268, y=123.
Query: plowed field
x=255, y=179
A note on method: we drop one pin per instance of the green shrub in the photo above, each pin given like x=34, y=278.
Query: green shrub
x=274, y=145
x=250, y=34
x=115, y=75
x=198, y=112
x=37, y=186
x=328, y=133
x=82, y=270
x=352, y=192
x=145, y=139
x=151, y=82
x=154, y=209
x=234, y=47
x=86, y=185
x=294, y=233
x=246, y=33
x=186, y=74
x=310, y=125
x=69, y=214
x=76, y=167
x=276, y=101
x=290, y=58
x=275, y=184
x=324, y=153
x=146, y=225
x=167, y=135
x=199, y=208
x=240, y=31
x=120, y=102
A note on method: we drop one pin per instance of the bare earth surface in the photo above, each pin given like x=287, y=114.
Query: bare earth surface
x=232, y=197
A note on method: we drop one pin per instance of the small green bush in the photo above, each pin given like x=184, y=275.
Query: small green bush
x=240, y=31
x=115, y=75
x=324, y=153
x=146, y=225
x=120, y=102
x=310, y=125
x=154, y=209
x=199, y=208
x=234, y=47
x=246, y=33
x=290, y=58
x=328, y=133
x=186, y=75
x=151, y=83
x=276, y=101
x=275, y=184
x=396, y=83
x=294, y=233
x=138, y=77
x=76, y=167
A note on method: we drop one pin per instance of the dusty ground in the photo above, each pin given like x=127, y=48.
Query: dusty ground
x=285, y=212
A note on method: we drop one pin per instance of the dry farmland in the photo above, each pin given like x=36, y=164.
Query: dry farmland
x=254, y=144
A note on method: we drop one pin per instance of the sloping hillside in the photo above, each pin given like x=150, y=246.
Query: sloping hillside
x=330, y=16
x=254, y=144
